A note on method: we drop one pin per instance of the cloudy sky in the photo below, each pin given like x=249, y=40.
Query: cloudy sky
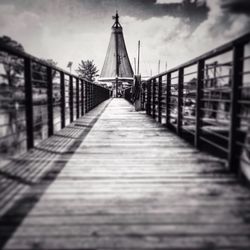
x=169, y=30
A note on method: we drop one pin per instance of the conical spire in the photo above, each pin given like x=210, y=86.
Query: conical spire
x=116, y=64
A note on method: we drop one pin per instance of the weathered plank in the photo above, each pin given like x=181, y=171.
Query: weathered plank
x=131, y=184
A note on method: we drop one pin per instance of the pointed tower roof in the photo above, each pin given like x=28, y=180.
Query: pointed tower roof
x=116, y=64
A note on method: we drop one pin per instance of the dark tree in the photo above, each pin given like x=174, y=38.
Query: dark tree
x=13, y=66
x=11, y=95
x=87, y=70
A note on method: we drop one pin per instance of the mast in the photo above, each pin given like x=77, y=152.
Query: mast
x=116, y=26
x=138, y=60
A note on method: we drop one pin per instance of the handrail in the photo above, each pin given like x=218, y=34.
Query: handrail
x=23, y=54
x=39, y=99
x=207, y=103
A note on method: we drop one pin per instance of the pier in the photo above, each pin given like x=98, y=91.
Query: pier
x=87, y=171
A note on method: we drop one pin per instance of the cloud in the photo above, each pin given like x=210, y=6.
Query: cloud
x=75, y=30
x=52, y=32
x=160, y=39
x=21, y=26
x=221, y=25
x=173, y=39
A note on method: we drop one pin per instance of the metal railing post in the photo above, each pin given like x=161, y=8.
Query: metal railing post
x=62, y=89
x=82, y=97
x=87, y=89
x=77, y=99
x=168, y=94
x=71, y=96
x=85, y=97
x=28, y=103
x=198, y=113
x=143, y=90
x=91, y=95
x=50, y=101
x=149, y=97
x=154, y=83
x=180, y=101
x=238, y=54
x=160, y=99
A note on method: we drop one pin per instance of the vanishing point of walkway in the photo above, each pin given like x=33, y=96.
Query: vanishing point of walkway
x=131, y=184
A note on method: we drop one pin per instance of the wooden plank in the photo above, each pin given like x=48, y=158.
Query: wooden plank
x=28, y=169
x=127, y=230
x=133, y=241
x=130, y=184
x=198, y=218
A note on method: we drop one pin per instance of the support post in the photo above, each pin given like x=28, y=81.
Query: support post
x=50, y=101
x=160, y=99
x=71, y=96
x=168, y=94
x=62, y=89
x=154, y=83
x=28, y=103
x=238, y=54
x=85, y=97
x=198, y=111
x=82, y=97
x=148, y=97
x=180, y=101
x=77, y=99
x=91, y=95
x=143, y=96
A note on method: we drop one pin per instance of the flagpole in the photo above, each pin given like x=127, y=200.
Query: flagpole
x=138, y=62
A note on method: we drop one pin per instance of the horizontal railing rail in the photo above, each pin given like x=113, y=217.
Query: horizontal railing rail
x=37, y=99
x=207, y=101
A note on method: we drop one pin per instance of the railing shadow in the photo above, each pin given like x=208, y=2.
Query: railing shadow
x=24, y=180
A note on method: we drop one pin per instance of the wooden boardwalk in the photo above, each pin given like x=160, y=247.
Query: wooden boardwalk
x=128, y=183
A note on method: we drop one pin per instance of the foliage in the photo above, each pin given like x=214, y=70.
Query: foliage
x=39, y=72
x=87, y=69
x=13, y=66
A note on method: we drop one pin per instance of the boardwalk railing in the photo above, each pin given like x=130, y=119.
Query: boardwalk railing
x=38, y=99
x=207, y=100
x=127, y=94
